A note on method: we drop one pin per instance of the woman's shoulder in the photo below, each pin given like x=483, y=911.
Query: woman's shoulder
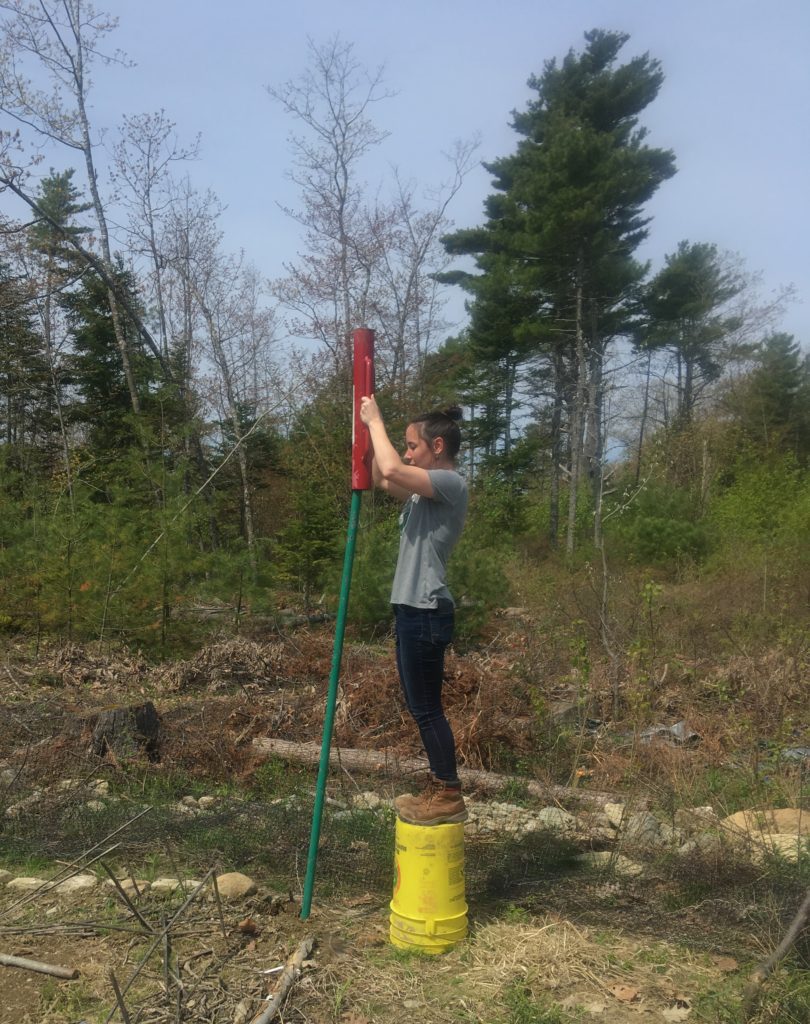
x=448, y=484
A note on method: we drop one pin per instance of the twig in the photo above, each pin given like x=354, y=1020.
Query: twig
x=158, y=939
x=127, y=900
x=288, y=978
x=755, y=982
x=119, y=999
x=68, y=973
x=219, y=906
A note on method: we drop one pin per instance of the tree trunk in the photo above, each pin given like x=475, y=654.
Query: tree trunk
x=376, y=761
x=233, y=415
x=577, y=424
x=125, y=731
x=558, y=367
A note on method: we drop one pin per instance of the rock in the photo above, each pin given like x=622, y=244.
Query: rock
x=162, y=886
x=787, y=845
x=189, y=801
x=23, y=884
x=95, y=805
x=130, y=888
x=78, y=883
x=184, y=808
x=368, y=800
x=643, y=829
x=205, y=803
x=65, y=785
x=515, y=613
x=235, y=886
x=618, y=864
x=705, y=845
x=671, y=836
x=557, y=820
x=782, y=832
x=615, y=814
x=5, y=876
x=101, y=787
x=695, y=819
x=786, y=819
x=15, y=810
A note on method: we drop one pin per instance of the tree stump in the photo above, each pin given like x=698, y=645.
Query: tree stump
x=127, y=731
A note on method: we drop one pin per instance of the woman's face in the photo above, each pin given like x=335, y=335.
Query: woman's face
x=417, y=450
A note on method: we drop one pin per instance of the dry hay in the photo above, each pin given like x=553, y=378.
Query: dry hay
x=553, y=955
x=224, y=664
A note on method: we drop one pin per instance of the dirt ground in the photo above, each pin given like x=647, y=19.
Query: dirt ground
x=353, y=976
x=211, y=708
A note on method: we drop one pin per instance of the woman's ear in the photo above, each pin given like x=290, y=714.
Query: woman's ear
x=438, y=446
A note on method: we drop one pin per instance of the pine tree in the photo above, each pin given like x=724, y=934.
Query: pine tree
x=563, y=226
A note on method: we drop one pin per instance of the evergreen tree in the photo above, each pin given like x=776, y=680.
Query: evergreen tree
x=687, y=307
x=773, y=403
x=102, y=402
x=562, y=228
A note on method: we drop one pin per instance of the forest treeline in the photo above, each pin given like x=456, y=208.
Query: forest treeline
x=176, y=429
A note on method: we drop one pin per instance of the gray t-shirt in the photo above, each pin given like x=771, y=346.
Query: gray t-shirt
x=429, y=529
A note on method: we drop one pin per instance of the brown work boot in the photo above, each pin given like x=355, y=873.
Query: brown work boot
x=437, y=804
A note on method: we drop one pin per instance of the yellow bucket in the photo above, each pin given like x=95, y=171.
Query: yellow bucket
x=428, y=910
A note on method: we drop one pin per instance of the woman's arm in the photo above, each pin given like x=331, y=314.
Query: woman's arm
x=395, y=476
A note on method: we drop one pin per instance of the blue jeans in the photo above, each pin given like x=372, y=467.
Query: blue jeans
x=422, y=637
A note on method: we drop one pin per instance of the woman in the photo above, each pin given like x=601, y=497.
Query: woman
x=435, y=504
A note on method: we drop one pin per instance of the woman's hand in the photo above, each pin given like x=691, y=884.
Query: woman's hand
x=369, y=411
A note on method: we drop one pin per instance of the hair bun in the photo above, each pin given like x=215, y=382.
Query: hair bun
x=454, y=413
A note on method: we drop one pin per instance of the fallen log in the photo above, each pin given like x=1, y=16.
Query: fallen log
x=373, y=762
x=288, y=978
x=66, y=973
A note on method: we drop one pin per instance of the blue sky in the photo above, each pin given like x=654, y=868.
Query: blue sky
x=734, y=106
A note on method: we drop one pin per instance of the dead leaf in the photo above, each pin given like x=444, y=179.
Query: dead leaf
x=726, y=964
x=361, y=901
x=624, y=993
x=248, y=927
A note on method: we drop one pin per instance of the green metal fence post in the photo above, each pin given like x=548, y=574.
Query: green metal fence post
x=331, y=700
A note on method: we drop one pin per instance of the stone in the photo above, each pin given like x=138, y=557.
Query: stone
x=184, y=808
x=695, y=819
x=615, y=814
x=617, y=863
x=25, y=884
x=671, y=836
x=130, y=888
x=65, y=785
x=15, y=810
x=368, y=800
x=235, y=886
x=205, y=803
x=95, y=805
x=785, y=820
x=78, y=883
x=787, y=845
x=189, y=801
x=556, y=819
x=705, y=845
x=101, y=787
x=162, y=886
x=5, y=876
x=643, y=829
